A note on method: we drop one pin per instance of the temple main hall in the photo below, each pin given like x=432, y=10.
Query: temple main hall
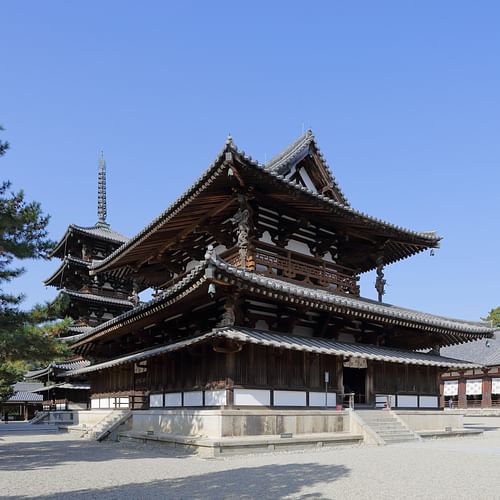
x=256, y=303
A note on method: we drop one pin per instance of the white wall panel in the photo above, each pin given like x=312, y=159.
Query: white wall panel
x=252, y=397
x=173, y=399
x=407, y=401
x=381, y=399
x=215, y=398
x=155, y=400
x=94, y=403
x=104, y=403
x=289, y=398
x=318, y=399
x=299, y=247
x=194, y=398
x=429, y=402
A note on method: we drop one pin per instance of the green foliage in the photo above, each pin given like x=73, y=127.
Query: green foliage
x=493, y=317
x=25, y=337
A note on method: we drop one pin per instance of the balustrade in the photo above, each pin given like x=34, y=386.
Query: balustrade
x=289, y=265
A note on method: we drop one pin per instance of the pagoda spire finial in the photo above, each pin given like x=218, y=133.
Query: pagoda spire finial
x=101, y=191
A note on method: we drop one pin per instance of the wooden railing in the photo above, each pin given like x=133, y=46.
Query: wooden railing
x=53, y=405
x=275, y=262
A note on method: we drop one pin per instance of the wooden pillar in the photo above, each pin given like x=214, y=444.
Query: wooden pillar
x=462, y=397
x=441, y=393
x=339, y=376
x=369, y=385
x=487, y=386
x=230, y=375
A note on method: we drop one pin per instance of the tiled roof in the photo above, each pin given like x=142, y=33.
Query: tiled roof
x=26, y=386
x=25, y=397
x=215, y=169
x=100, y=231
x=64, y=385
x=295, y=152
x=484, y=351
x=68, y=260
x=292, y=342
x=196, y=277
x=57, y=365
x=90, y=297
x=79, y=328
x=356, y=303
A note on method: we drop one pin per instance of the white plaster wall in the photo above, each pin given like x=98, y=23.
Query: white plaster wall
x=261, y=325
x=429, y=402
x=318, y=399
x=215, y=398
x=381, y=399
x=407, y=401
x=173, y=399
x=156, y=400
x=299, y=247
x=193, y=398
x=289, y=398
x=266, y=238
x=252, y=397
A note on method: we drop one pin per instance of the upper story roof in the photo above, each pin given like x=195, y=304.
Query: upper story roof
x=98, y=231
x=211, y=197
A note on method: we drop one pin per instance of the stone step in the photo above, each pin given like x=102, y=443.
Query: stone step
x=394, y=434
x=400, y=440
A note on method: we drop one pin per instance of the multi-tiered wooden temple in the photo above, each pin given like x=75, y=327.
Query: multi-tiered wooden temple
x=88, y=300
x=257, y=302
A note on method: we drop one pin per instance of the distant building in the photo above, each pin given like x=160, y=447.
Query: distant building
x=475, y=387
x=23, y=404
x=90, y=300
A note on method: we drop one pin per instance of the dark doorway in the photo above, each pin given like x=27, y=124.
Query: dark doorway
x=355, y=381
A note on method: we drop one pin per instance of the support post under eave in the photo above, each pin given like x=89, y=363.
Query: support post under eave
x=487, y=387
x=230, y=374
x=462, y=396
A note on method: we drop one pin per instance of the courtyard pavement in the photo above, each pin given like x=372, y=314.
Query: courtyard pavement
x=58, y=466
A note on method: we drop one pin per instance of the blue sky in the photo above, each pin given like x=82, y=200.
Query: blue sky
x=403, y=97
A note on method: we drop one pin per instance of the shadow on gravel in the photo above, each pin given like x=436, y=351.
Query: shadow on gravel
x=47, y=454
x=270, y=481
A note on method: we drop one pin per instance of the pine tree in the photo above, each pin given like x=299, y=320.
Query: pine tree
x=25, y=337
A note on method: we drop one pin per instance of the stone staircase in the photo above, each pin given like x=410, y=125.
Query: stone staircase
x=387, y=426
x=102, y=429
x=39, y=418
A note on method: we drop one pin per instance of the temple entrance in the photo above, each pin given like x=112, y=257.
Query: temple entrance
x=355, y=382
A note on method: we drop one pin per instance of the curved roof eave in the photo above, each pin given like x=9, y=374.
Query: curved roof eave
x=199, y=185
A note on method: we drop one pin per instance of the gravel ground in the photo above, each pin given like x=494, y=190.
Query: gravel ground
x=58, y=466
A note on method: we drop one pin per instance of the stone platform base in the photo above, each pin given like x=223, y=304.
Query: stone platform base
x=225, y=423
x=236, y=446
x=450, y=434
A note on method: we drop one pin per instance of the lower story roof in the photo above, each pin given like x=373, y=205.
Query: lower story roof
x=25, y=397
x=292, y=342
